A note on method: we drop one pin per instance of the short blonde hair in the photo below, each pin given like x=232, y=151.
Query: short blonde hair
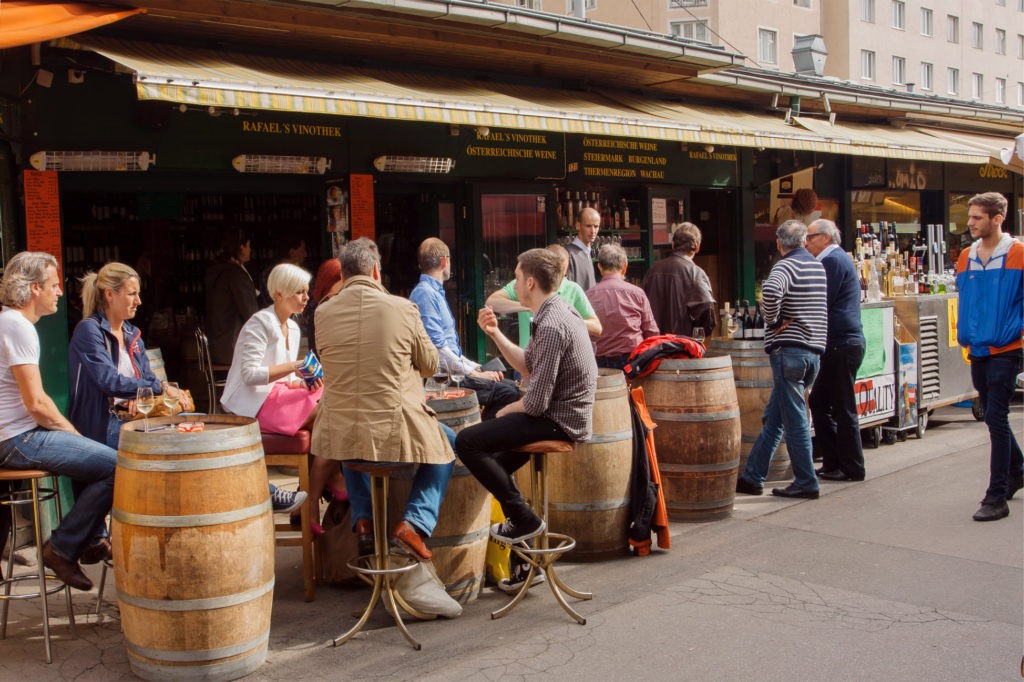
x=287, y=279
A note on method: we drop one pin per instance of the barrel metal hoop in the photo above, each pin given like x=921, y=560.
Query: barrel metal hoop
x=228, y=670
x=600, y=505
x=199, y=443
x=176, y=465
x=672, y=467
x=613, y=437
x=714, y=375
x=456, y=540
x=154, y=521
x=695, y=416
x=754, y=384
x=690, y=506
x=744, y=363
x=707, y=362
x=460, y=420
x=199, y=654
x=207, y=604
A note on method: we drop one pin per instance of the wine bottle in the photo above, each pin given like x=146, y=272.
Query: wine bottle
x=738, y=322
x=748, y=325
x=758, y=322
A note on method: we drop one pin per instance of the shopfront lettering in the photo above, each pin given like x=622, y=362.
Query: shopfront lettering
x=512, y=153
x=605, y=143
x=917, y=175
x=875, y=396
x=508, y=136
x=990, y=172
x=909, y=180
x=601, y=172
x=295, y=129
x=712, y=156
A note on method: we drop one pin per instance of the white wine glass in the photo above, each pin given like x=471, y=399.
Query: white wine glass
x=456, y=374
x=698, y=334
x=171, y=398
x=145, y=403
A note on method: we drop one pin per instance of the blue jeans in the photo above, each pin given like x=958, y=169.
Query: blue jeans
x=793, y=370
x=995, y=379
x=88, y=463
x=428, y=488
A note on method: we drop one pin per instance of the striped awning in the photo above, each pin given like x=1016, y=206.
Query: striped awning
x=224, y=79
x=987, y=144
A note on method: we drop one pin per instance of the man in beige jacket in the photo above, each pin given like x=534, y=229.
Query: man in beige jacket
x=375, y=354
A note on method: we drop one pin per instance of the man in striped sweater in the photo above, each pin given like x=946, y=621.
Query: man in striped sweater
x=796, y=321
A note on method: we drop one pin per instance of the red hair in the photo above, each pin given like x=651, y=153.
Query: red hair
x=328, y=274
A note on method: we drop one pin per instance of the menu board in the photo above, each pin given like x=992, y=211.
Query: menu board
x=42, y=214
x=361, y=205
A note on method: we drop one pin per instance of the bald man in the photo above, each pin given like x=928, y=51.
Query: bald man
x=581, y=265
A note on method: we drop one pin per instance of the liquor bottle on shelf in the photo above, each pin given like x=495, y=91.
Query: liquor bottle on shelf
x=748, y=324
x=758, y=331
x=738, y=322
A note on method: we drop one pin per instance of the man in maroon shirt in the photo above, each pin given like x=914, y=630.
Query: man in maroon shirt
x=622, y=308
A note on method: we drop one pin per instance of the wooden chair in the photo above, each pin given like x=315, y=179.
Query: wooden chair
x=547, y=547
x=33, y=497
x=293, y=451
x=210, y=370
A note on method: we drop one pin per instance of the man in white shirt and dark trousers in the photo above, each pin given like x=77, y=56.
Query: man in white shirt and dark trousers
x=581, y=261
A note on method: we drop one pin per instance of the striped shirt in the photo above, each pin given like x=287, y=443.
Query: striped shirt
x=563, y=372
x=795, y=293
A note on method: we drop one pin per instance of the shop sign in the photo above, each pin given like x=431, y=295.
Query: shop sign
x=867, y=171
x=511, y=153
x=635, y=160
x=984, y=178
x=875, y=396
x=42, y=214
x=990, y=172
x=914, y=175
x=261, y=127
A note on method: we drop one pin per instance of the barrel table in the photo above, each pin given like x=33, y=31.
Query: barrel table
x=459, y=542
x=698, y=435
x=753, y=372
x=193, y=549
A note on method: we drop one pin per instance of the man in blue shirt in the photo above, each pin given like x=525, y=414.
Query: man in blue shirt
x=434, y=260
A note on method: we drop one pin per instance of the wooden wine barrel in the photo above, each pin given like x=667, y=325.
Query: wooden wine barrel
x=698, y=435
x=753, y=372
x=459, y=542
x=193, y=549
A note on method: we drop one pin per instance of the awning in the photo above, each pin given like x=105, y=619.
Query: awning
x=988, y=144
x=895, y=143
x=224, y=79
x=24, y=23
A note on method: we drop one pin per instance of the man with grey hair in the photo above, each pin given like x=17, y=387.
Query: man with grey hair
x=679, y=290
x=833, y=403
x=623, y=309
x=33, y=432
x=793, y=303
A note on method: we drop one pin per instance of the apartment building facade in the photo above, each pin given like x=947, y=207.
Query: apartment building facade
x=971, y=50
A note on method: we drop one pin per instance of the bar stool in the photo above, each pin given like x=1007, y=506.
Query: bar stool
x=548, y=547
x=33, y=497
x=378, y=568
x=293, y=451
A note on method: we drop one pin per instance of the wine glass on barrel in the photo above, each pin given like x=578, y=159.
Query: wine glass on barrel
x=144, y=403
x=698, y=335
x=441, y=379
x=456, y=374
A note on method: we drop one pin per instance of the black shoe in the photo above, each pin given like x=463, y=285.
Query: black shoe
x=1013, y=485
x=992, y=510
x=96, y=552
x=514, y=533
x=838, y=475
x=747, y=488
x=69, y=572
x=518, y=570
x=792, y=491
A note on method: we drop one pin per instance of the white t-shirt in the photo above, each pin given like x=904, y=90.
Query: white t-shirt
x=19, y=345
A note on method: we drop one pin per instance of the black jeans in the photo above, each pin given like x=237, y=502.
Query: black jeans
x=492, y=395
x=484, y=449
x=834, y=411
x=995, y=377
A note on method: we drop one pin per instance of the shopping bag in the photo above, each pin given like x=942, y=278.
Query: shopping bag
x=498, y=552
x=338, y=544
x=423, y=590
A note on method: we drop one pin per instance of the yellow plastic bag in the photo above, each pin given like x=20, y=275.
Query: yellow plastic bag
x=497, y=552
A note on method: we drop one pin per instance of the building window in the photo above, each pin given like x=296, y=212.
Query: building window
x=1020, y=94
x=977, y=86
x=1020, y=46
x=926, y=22
x=867, y=65
x=899, y=14
x=927, y=76
x=588, y=4
x=899, y=71
x=977, y=36
x=802, y=3
x=687, y=3
x=691, y=30
x=767, y=46
x=952, y=28
x=867, y=11
x=529, y=4
x=1001, y=3
x=1000, y=41
x=953, y=81
x=1000, y=91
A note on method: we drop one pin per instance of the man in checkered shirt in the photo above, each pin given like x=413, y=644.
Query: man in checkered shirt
x=560, y=372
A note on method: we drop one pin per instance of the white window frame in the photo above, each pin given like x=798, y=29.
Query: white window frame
x=1020, y=91
x=678, y=29
x=570, y=6
x=678, y=4
x=977, y=86
x=1000, y=93
x=867, y=11
x=927, y=22
x=762, y=56
x=899, y=70
x=953, y=81
x=1020, y=44
x=927, y=76
x=952, y=29
x=899, y=15
x=802, y=3
x=529, y=4
x=867, y=65
x=1000, y=41
x=977, y=35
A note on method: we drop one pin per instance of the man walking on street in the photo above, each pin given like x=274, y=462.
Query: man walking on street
x=832, y=402
x=793, y=301
x=623, y=309
x=990, y=321
x=679, y=290
x=581, y=265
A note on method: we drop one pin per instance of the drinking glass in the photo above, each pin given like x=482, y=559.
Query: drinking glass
x=441, y=379
x=145, y=403
x=698, y=334
x=171, y=401
x=456, y=374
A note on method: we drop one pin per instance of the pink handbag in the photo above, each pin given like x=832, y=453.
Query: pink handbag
x=286, y=409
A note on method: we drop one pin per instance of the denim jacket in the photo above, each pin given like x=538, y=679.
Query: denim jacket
x=92, y=361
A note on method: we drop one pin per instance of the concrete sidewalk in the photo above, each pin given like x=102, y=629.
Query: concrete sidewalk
x=885, y=579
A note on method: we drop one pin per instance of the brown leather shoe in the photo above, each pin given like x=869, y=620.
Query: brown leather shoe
x=96, y=552
x=69, y=572
x=364, y=537
x=406, y=537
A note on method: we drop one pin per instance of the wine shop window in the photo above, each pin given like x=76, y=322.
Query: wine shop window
x=691, y=30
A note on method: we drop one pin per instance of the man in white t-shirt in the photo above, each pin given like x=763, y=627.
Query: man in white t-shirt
x=33, y=432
